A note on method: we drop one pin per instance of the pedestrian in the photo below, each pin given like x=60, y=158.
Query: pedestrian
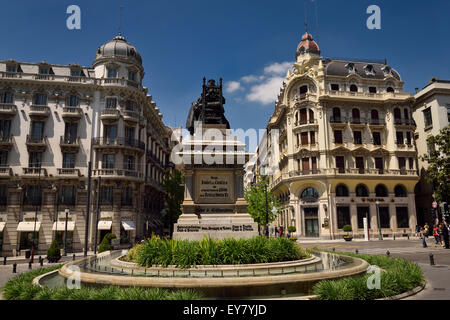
x=441, y=234
x=426, y=229
x=276, y=232
x=445, y=235
x=417, y=230
x=422, y=237
x=436, y=233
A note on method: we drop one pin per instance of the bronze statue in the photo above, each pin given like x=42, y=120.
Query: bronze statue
x=209, y=107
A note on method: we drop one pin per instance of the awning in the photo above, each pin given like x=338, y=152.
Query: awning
x=128, y=225
x=104, y=225
x=29, y=226
x=61, y=225
x=2, y=226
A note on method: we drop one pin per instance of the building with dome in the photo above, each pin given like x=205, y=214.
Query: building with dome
x=54, y=120
x=344, y=134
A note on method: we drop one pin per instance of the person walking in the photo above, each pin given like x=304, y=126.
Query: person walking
x=436, y=233
x=417, y=230
x=441, y=234
x=422, y=237
x=426, y=229
x=445, y=235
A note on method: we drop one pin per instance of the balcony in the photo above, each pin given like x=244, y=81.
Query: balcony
x=116, y=82
x=380, y=123
x=71, y=113
x=304, y=124
x=405, y=123
x=35, y=171
x=131, y=116
x=39, y=112
x=6, y=143
x=373, y=171
x=49, y=77
x=69, y=144
x=120, y=142
x=36, y=143
x=7, y=110
x=5, y=171
x=299, y=173
x=338, y=122
x=364, y=96
x=358, y=122
x=110, y=115
x=69, y=172
x=118, y=173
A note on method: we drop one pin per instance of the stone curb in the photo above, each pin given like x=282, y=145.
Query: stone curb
x=406, y=294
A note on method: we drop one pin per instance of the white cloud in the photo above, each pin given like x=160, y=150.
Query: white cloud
x=267, y=91
x=232, y=86
x=251, y=78
x=278, y=68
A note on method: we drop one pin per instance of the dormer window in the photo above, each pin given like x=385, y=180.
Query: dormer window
x=387, y=71
x=372, y=89
x=112, y=73
x=350, y=67
x=369, y=69
x=334, y=87
x=390, y=89
x=75, y=73
x=353, y=88
x=11, y=68
x=44, y=70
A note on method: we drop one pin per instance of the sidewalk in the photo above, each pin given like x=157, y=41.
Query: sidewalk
x=438, y=283
x=22, y=259
x=374, y=239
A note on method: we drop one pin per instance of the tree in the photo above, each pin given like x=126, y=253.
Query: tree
x=173, y=185
x=256, y=198
x=438, y=172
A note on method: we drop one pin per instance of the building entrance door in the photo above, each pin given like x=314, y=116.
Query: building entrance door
x=311, y=222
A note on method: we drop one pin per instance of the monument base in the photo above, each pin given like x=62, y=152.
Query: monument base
x=195, y=227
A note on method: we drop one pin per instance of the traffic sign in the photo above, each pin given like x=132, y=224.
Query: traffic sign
x=434, y=204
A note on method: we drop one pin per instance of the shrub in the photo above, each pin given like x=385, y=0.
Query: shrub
x=183, y=253
x=347, y=228
x=105, y=245
x=54, y=253
x=292, y=229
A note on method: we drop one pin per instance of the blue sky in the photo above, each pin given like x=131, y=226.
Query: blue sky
x=245, y=42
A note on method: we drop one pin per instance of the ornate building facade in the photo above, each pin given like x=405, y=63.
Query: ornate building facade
x=54, y=120
x=346, y=147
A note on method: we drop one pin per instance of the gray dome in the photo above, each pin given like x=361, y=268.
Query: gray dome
x=118, y=47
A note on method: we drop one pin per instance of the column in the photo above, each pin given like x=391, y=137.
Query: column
x=354, y=216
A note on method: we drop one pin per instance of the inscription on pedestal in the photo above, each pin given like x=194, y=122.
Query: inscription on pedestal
x=215, y=188
x=232, y=228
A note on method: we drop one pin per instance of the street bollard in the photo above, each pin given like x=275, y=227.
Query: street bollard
x=41, y=261
x=408, y=236
x=15, y=267
x=431, y=259
x=73, y=257
x=4, y=261
x=394, y=236
x=388, y=253
x=30, y=265
x=356, y=251
x=334, y=249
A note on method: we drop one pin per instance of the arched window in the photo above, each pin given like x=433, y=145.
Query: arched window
x=374, y=116
x=381, y=190
x=356, y=116
x=309, y=195
x=390, y=89
x=341, y=190
x=362, y=191
x=400, y=191
x=353, y=88
x=303, y=89
x=336, y=115
x=303, y=116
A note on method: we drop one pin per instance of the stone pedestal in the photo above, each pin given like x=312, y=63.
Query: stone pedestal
x=214, y=202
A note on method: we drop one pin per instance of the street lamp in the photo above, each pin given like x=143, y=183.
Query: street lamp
x=380, y=234
x=35, y=214
x=65, y=232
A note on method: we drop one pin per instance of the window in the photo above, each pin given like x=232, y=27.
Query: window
x=111, y=103
x=379, y=165
x=372, y=89
x=350, y=67
x=131, y=75
x=336, y=115
x=406, y=113
x=127, y=197
x=7, y=97
x=390, y=89
x=312, y=137
x=106, y=195
x=338, y=136
x=363, y=212
x=75, y=73
x=112, y=73
x=40, y=99
x=3, y=158
x=32, y=195
x=381, y=191
x=376, y=138
x=357, y=137
x=374, y=117
x=356, y=116
x=408, y=138
x=342, y=190
x=5, y=129
x=369, y=69
x=402, y=217
x=334, y=87
x=304, y=138
x=343, y=216
x=353, y=88
x=70, y=132
x=400, y=191
x=11, y=68
x=110, y=132
x=397, y=116
x=400, y=140
x=73, y=101
x=108, y=161
x=427, y=117
x=130, y=105
x=66, y=195
x=311, y=116
x=402, y=165
x=303, y=89
x=35, y=160
x=44, y=70
x=385, y=220
x=309, y=195
x=361, y=191
x=130, y=163
x=69, y=160
x=340, y=164
x=3, y=195
x=305, y=165
x=37, y=131
x=129, y=135
x=314, y=165
x=359, y=162
x=411, y=163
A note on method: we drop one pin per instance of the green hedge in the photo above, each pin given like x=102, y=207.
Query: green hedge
x=105, y=244
x=21, y=288
x=401, y=275
x=184, y=253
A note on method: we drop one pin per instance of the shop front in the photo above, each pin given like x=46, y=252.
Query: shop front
x=28, y=234
x=59, y=229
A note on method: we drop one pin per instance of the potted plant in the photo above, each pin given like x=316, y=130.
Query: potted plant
x=291, y=230
x=347, y=228
x=54, y=253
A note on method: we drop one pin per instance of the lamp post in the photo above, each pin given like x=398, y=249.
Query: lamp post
x=380, y=234
x=65, y=232
x=35, y=215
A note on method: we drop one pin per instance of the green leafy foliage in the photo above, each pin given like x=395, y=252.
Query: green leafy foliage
x=438, y=172
x=173, y=185
x=255, y=196
x=183, y=253
x=347, y=228
x=105, y=245
x=400, y=276
x=54, y=253
x=21, y=288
